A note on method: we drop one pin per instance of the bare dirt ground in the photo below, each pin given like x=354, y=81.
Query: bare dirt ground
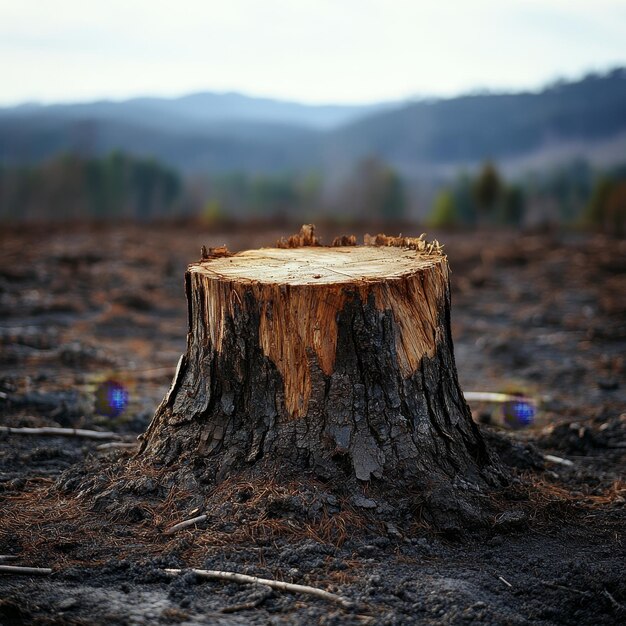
x=537, y=313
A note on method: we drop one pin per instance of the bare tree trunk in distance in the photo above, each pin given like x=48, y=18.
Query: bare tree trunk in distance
x=337, y=361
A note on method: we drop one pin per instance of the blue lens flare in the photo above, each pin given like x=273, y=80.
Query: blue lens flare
x=518, y=413
x=111, y=398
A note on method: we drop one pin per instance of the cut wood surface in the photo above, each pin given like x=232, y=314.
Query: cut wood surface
x=301, y=290
x=317, y=265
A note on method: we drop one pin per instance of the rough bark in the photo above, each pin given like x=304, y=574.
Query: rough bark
x=348, y=373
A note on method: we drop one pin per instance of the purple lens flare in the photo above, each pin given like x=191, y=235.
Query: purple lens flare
x=518, y=413
x=111, y=398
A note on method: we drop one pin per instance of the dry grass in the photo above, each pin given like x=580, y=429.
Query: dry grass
x=61, y=530
x=614, y=495
x=548, y=503
x=543, y=493
x=56, y=529
x=353, y=572
x=264, y=514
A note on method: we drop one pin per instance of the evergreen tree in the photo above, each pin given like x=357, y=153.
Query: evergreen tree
x=513, y=205
x=487, y=191
x=444, y=213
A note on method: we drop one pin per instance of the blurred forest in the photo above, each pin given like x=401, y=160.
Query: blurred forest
x=72, y=187
x=553, y=157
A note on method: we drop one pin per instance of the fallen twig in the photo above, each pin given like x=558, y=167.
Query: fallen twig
x=614, y=602
x=557, y=586
x=17, y=569
x=557, y=459
x=61, y=432
x=489, y=396
x=122, y=445
x=185, y=524
x=274, y=584
x=505, y=581
x=245, y=606
x=7, y=557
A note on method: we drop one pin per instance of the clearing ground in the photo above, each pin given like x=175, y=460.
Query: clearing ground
x=539, y=313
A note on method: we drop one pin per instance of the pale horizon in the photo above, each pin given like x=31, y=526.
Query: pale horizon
x=408, y=98
x=355, y=52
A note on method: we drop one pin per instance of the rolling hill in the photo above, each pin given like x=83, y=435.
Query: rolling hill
x=231, y=132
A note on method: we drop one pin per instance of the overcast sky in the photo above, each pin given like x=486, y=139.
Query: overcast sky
x=306, y=50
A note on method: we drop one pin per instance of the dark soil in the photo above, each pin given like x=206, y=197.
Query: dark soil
x=541, y=314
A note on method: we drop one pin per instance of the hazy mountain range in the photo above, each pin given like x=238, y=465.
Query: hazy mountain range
x=228, y=132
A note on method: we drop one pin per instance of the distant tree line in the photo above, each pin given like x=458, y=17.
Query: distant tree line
x=73, y=187
x=241, y=195
x=371, y=190
x=606, y=209
x=482, y=200
x=573, y=194
x=123, y=186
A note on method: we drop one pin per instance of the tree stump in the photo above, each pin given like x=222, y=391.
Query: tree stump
x=336, y=360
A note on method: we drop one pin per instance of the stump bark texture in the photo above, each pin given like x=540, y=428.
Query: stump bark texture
x=338, y=360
